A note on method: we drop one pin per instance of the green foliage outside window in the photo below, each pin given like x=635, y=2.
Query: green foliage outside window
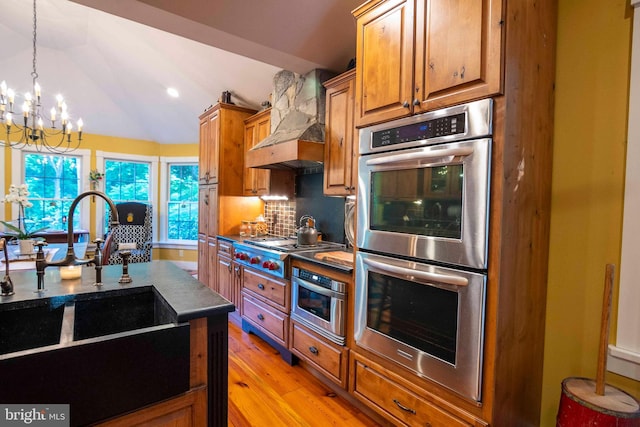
x=54, y=181
x=182, y=203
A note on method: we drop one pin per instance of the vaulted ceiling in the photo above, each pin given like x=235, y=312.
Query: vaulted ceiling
x=114, y=60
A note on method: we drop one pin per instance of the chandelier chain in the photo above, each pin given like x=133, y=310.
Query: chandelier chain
x=34, y=74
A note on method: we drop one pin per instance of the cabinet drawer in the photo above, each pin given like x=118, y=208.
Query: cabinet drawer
x=329, y=358
x=273, y=322
x=270, y=289
x=398, y=403
x=225, y=247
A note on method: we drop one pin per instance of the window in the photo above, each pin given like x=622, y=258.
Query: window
x=179, y=195
x=54, y=181
x=182, y=202
x=127, y=181
x=127, y=178
x=624, y=356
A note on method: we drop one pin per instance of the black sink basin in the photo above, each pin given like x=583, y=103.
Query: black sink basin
x=109, y=313
x=30, y=324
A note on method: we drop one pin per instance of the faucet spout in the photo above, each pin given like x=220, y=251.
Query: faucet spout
x=70, y=257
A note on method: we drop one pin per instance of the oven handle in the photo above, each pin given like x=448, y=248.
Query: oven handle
x=442, y=278
x=431, y=155
x=318, y=289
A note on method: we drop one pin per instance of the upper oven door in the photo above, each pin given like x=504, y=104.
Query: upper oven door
x=429, y=203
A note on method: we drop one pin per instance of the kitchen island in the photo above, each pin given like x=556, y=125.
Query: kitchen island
x=149, y=351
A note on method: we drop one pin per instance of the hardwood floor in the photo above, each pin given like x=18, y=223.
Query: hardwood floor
x=265, y=391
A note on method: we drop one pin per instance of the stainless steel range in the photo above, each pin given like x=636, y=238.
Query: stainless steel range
x=269, y=254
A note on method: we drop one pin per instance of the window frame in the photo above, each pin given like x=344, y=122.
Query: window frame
x=17, y=177
x=624, y=355
x=165, y=163
x=102, y=157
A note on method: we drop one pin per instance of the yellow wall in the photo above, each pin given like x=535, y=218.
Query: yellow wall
x=126, y=146
x=592, y=84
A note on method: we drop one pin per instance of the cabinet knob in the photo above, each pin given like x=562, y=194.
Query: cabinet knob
x=405, y=104
x=346, y=187
x=416, y=102
x=229, y=268
x=260, y=316
x=313, y=350
x=261, y=286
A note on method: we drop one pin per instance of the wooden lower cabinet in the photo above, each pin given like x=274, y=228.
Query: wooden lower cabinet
x=400, y=402
x=187, y=410
x=272, y=322
x=325, y=356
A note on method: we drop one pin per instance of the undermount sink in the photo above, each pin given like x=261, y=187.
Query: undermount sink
x=123, y=344
x=60, y=320
x=29, y=325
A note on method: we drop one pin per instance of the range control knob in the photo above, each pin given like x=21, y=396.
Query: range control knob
x=266, y=264
x=273, y=266
x=255, y=260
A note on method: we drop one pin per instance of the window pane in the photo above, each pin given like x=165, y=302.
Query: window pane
x=54, y=181
x=126, y=181
x=182, y=206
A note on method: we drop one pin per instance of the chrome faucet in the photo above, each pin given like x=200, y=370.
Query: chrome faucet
x=70, y=258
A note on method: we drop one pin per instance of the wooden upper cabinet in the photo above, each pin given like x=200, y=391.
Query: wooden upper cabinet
x=256, y=128
x=419, y=55
x=384, y=64
x=222, y=147
x=458, y=53
x=340, y=147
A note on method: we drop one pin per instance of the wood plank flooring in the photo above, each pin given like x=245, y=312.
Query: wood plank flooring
x=265, y=391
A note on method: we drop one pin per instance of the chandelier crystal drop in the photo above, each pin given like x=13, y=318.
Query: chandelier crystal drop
x=29, y=127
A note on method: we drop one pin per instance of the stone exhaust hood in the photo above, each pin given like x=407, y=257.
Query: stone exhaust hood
x=297, y=123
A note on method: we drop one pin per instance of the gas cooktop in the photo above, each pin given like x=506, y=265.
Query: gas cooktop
x=288, y=244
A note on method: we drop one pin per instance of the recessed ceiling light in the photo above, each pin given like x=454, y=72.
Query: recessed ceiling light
x=173, y=92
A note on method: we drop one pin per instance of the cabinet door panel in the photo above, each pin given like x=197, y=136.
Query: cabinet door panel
x=214, y=148
x=203, y=152
x=458, y=51
x=338, y=144
x=384, y=44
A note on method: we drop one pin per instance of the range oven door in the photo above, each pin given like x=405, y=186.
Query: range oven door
x=425, y=318
x=430, y=203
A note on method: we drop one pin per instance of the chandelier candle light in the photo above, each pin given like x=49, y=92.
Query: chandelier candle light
x=34, y=130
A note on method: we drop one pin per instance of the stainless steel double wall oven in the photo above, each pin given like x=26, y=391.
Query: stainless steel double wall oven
x=422, y=233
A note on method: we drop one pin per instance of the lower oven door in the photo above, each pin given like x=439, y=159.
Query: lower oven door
x=321, y=310
x=428, y=319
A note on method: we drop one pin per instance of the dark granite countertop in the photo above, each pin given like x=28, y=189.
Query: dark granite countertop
x=186, y=296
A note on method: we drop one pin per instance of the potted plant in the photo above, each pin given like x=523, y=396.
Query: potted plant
x=19, y=194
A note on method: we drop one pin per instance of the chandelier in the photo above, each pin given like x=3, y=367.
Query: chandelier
x=29, y=127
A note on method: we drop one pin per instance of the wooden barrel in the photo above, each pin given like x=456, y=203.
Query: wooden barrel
x=580, y=406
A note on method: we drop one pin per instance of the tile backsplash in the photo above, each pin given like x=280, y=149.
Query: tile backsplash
x=282, y=216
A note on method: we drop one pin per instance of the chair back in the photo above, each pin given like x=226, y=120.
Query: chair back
x=133, y=234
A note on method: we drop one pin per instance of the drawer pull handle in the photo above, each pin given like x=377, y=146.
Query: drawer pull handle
x=313, y=350
x=260, y=316
x=261, y=286
x=404, y=408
